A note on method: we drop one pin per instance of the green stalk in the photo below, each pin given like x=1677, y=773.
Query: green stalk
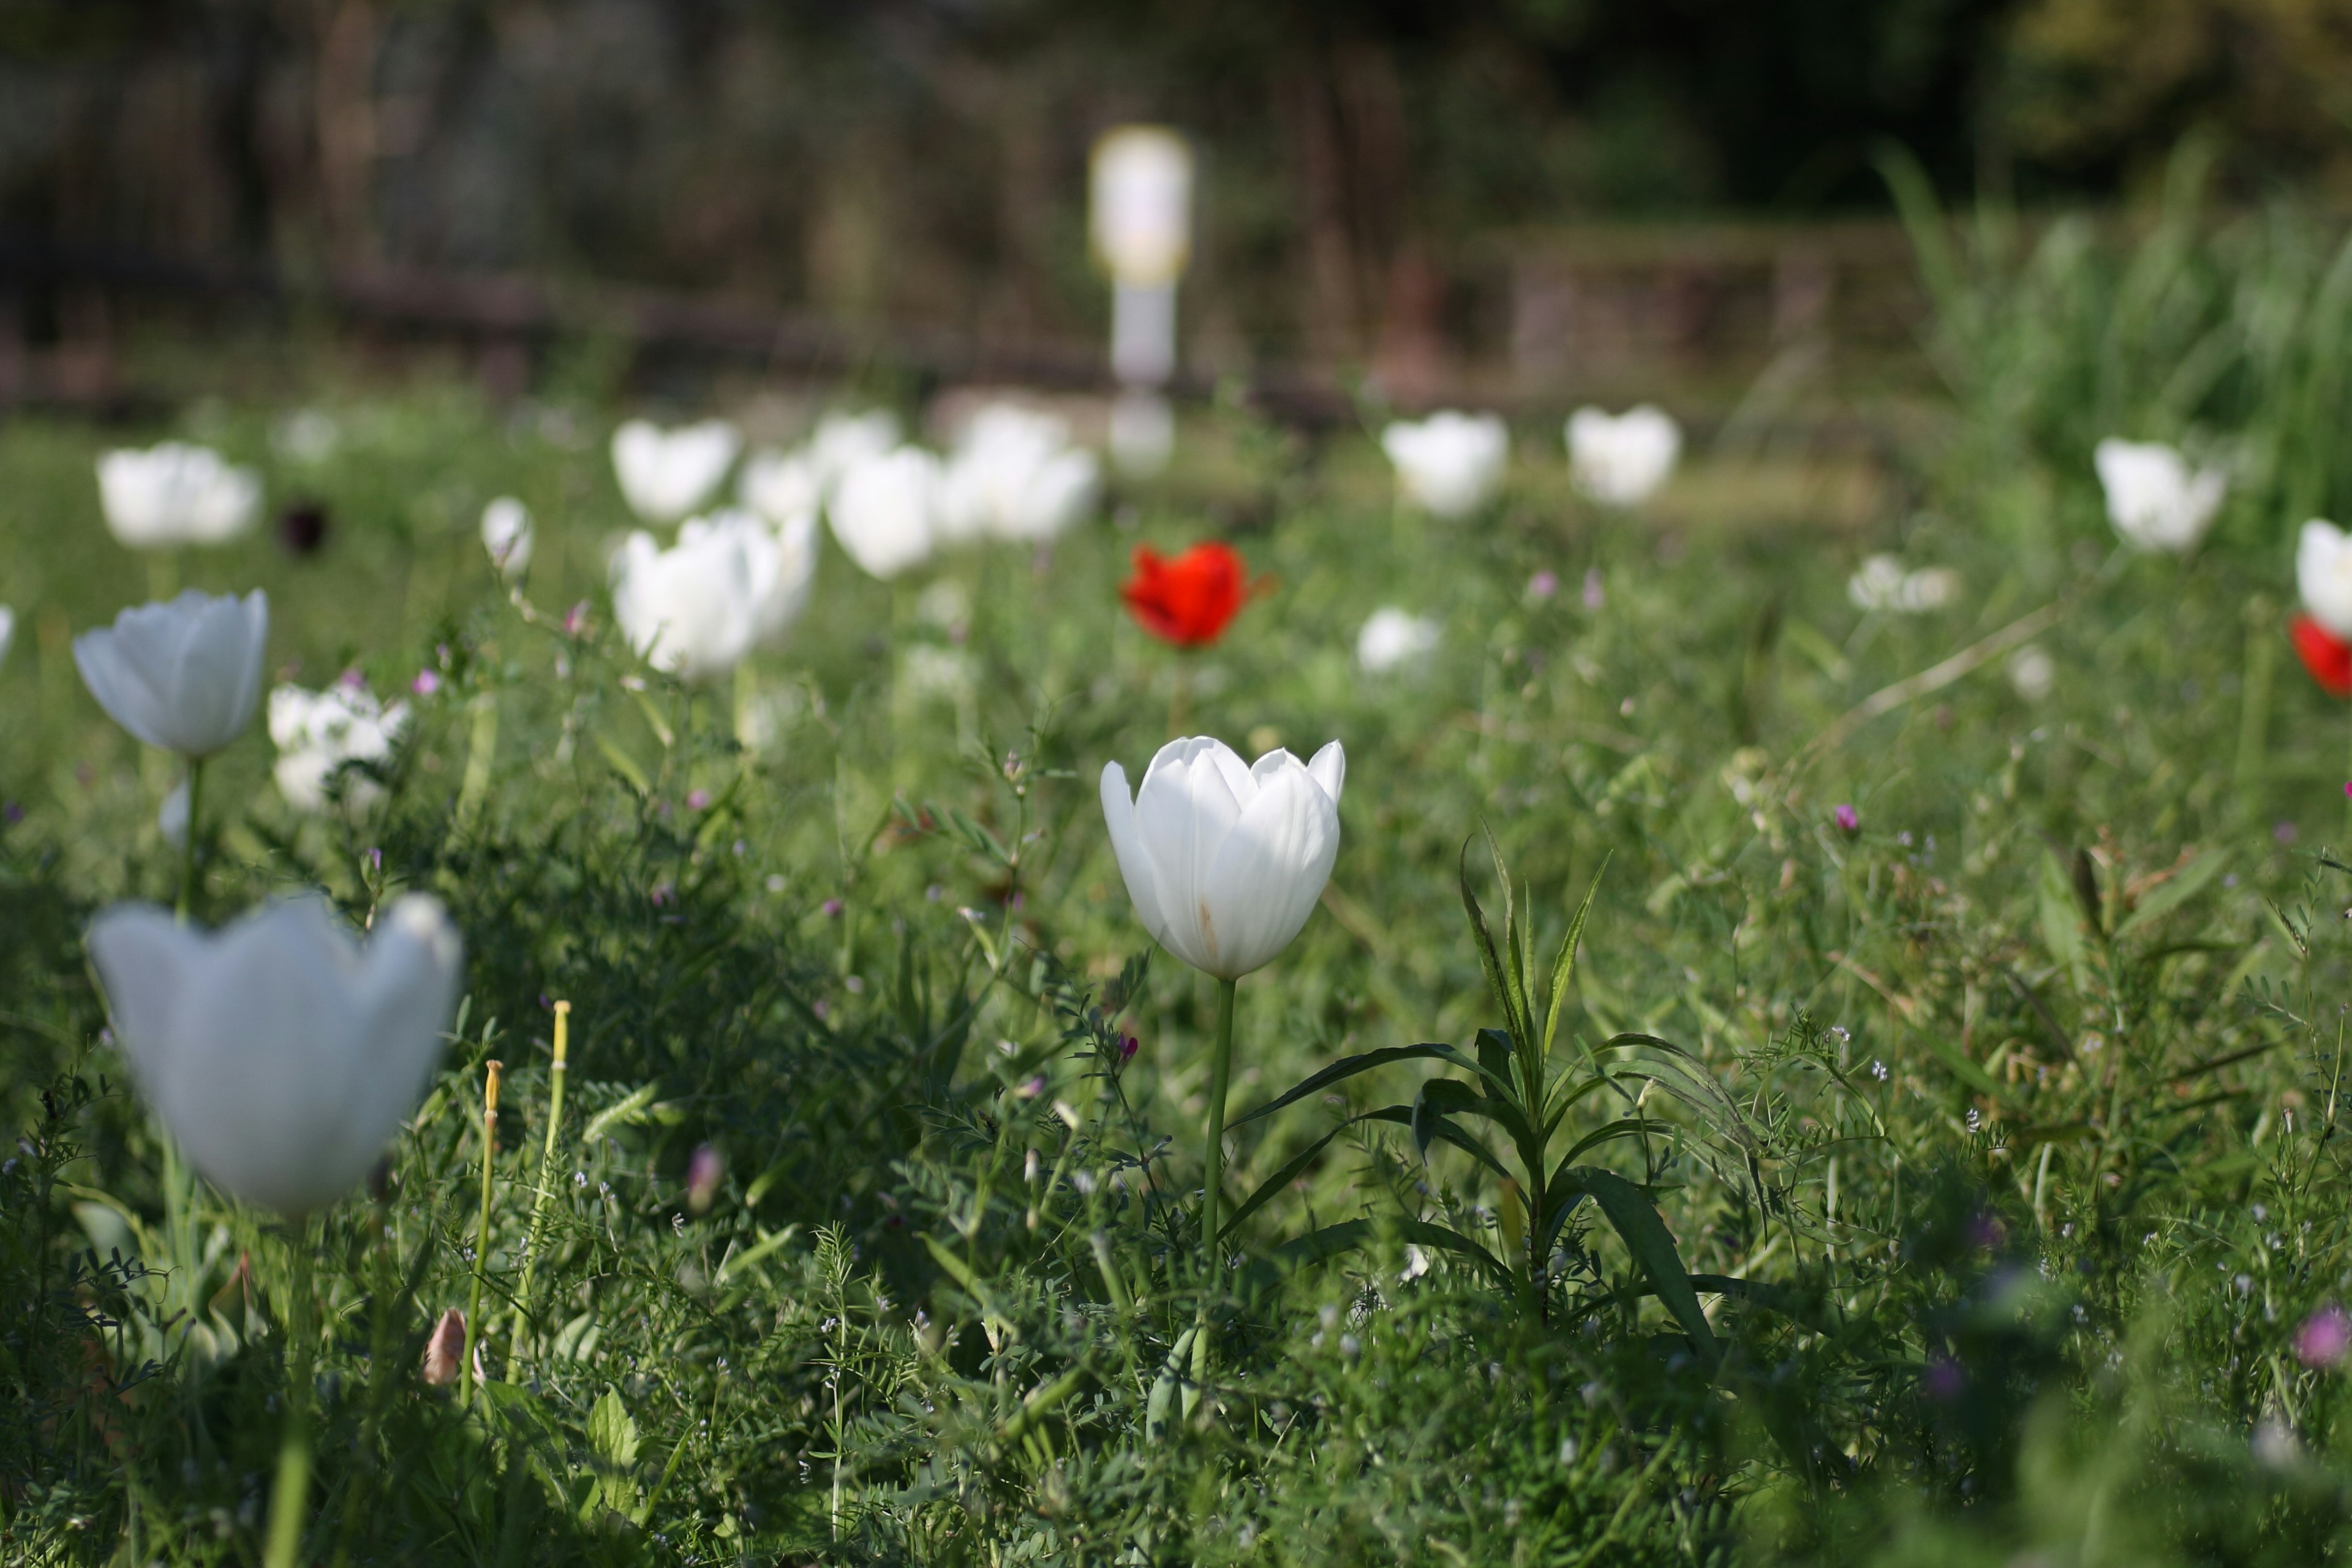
x=2254, y=717
x=188, y=856
x=482, y=1233
x=1221, y=1072
x=555, y=1076
x=289, y=1498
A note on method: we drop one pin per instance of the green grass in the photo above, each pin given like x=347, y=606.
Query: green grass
x=2016, y=1108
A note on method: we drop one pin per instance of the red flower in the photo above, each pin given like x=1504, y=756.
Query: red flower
x=1189, y=600
x=2326, y=656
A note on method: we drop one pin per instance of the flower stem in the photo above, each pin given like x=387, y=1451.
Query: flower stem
x=289, y=1498
x=188, y=857
x=482, y=1234
x=1221, y=1072
x=555, y=1076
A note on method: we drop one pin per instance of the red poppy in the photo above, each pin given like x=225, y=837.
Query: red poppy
x=2326, y=655
x=1188, y=600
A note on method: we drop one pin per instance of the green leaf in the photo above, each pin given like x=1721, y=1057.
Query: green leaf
x=1791, y=1304
x=1624, y=1127
x=1452, y=1097
x=1488, y=960
x=2061, y=915
x=2185, y=884
x=627, y=1113
x=1645, y=1236
x=1351, y=1066
x=1169, y=1384
x=1494, y=1053
x=1292, y=1169
x=623, y=763
x=1563, y=968
x=1444, y=1130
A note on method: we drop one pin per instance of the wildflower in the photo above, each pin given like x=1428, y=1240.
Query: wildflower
x=2327, y=657
x=445, y=1349
x=703, y=1169
x=1621, y=460
x=1849, y=820
x=426, y=683
x=507, y=535
x=2325, y=1337
x=1594, y=596
x=302, y=528
x=317, y=732
x=1188, y=600
x=1393, y=638
x=1543, y=585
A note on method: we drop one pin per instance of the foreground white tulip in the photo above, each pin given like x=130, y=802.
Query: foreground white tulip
x=2322, y=576
x=885, y=511
x=175, y=494
x=184, y=674
x=665, y=474
x=317, y=732
x=696, y=609
x=1883, y=584
x=1451, y=464
x=2153, y=498
x=1621, y=459
x=1393, y=638
x=281, y=1055
x=507, y=535
x=1015, y=476
x=1225, y=861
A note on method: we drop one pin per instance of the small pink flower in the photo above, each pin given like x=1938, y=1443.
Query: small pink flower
x=352, y=680
x=575, y=619
x=1543, y=585
x=832, y=908
x=702, y=1173
x=1848, y=819
x=1593, y=595
x=697, y=800
x=444, y=1353
x=2324, y=1336
x=1127, y=1046
x=425, y=684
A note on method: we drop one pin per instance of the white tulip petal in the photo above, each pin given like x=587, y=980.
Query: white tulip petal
x=1183, y=811
x=1330, y=769
x=1269, y=871
x=1127, y=846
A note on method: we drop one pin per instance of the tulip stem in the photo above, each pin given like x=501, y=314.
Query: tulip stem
x=555, y=1076
x=1221, y=1072
x=188, y=856
x=289, y=1498
x=482, y=1233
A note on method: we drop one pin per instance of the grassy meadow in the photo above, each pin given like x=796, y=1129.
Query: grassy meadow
x=1993, y=1138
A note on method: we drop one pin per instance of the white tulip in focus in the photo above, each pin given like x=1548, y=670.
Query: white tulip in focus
x=665, y=474
x=316, y=732
x=2153, y=498
x=697, y=608
x=507, y=535
x=1223, y=862
x=281, y=1055
x=175, y=494
x=186, y=675
x=1451, y=464
x=842, y=441
x=780, y=486
x=886, y=511
x=2322, y=576
x=1620, y=460
x=1394, y=637
x=8, y=630
x=1014, y=475
x=1883, y=584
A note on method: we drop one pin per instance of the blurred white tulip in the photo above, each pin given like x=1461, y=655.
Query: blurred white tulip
x=306, y=436
x=1451, y=464
x=1393, y=637
x=2322, y=576
x=2153, y=498
x=281, y=1055
x=783, y=567
x=186, y=675
x=507, y=535
x=8, y=630
x=842, y=441
x=780, y=486
x=1621, y=459
x=2033, y=673
x=1882, y=583
x=697, y=608
x=1223, y=862
x=885, y=511
x=1014, y=475
x=176, y=494
x=665, y=474
x=316, y=732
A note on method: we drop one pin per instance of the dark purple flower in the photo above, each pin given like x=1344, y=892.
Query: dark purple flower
x=702, y=1172
x=12, y=814
x=1848, y=819
x=1127, y=1046
x=302, y=528
x=2324, y=1336
x=665, y=894
x=832, y=908
x=1543, y=585
x=1985, y=1233
x=1942, y=1378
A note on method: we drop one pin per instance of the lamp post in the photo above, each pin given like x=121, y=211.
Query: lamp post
x=1142, y=232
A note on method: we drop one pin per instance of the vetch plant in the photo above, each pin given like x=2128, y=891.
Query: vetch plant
x=1621, y=459
x=665, y=474
x=1450, y=464
x=174, y=494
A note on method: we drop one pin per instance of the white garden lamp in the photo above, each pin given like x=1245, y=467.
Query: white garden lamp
x=1142, y=230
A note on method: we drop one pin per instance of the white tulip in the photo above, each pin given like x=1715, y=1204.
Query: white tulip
x=317, y=732
x=1224, y=862
x=2322, y=576
x=1451, y=464
x=782, y=561
x=665, y=474
x=1622, y=460
x=281, y=1055
x=1394, y=637
x=1015, y=476
x=507, y=535
x=842, y=441
x=2153, y=499
x=8, y=630
x=186, y=675
x=1883, y=584
x=886, y=511
x=175, y=494
x=780, y=486
x=699, y=609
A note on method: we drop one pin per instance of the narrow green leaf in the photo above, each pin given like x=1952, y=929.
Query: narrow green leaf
x=2190, y=881
x=1563, y=968
x=1646, y=1237
x=623, y=763
x=1624, y=1127
x=626, y=1112
x=1445, y=1130
x=1292, y=1169
x=1488, y=960
x=1346, y=1069
x=1452, y=1097
x=1169, y=1384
